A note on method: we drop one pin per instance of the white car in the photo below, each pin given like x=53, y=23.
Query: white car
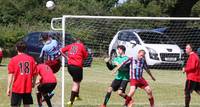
x=160, y=50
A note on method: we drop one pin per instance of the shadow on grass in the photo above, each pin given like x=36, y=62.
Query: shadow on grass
x=113, y=105
x=2, y=65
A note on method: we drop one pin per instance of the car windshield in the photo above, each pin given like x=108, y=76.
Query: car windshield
x=155, y=38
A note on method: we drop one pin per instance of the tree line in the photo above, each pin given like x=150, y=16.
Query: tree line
x=18, y=17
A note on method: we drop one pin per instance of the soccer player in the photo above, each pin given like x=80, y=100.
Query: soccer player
x=136, y=78
x=76, y=53
x=122, y=77
x=192, y=69
x=50, y=53
x=21, y=77
x=46, y=85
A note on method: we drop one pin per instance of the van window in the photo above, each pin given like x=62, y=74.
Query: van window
x=154, y=38
x=127, y=36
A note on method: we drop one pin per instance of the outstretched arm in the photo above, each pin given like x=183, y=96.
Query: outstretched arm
x=120, y=65
x=148, y=71
x=109, y=64
x=116, y=68
x=63, y=54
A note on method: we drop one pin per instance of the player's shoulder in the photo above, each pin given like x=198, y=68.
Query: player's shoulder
x=29, y=57
x=42, y=65
x=126, y=57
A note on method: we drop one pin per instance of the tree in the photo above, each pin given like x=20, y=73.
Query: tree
x=183, y=8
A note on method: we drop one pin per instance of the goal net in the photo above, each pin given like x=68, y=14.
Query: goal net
x=162, y=38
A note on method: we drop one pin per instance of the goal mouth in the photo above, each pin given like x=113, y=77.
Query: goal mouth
x=164, y=41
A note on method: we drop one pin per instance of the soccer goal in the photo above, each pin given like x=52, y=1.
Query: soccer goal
x=162, y=38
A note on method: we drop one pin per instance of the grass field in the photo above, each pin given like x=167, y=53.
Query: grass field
x=167, y=89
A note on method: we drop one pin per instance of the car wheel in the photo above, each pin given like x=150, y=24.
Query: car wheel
x=113, y=55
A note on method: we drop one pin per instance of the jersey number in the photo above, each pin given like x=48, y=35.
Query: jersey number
x=74, y=50
x=24, y=67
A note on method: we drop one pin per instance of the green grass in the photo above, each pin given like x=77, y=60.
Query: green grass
x=168, y=89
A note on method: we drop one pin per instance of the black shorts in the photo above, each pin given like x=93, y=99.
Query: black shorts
x=46, y=88
x=119, y=85
x=191, y=86
x=16, y=99
x=76, y=73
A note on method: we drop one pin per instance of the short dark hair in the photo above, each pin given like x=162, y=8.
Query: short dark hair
x=191, y=45
x=21, y=46
x=45, y=36
x=122, y=47
x=141, y=50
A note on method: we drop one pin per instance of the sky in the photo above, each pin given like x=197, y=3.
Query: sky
x=121, y=1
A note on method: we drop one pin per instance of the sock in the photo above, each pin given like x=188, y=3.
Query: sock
x=125, y=96
x=73, y=95
x=39, y=98
x=128, y=99
x=107, y=97
x=46, y=98
x=187, y=101
x=151, y=100
x=77, y=93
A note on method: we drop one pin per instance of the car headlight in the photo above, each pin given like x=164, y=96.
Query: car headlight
x=152, y=53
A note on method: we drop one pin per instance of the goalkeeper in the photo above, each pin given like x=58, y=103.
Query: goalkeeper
x=122, y=77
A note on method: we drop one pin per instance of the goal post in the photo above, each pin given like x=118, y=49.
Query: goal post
x=98, y=32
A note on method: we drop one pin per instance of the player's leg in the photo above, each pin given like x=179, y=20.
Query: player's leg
x=27, y=100
x=150, y=95
x=122, y=89
x=129, y=101
x=113, y=87
x=15, y=100
x=47, y=99
x=26, y=105
x=107, y=96
x=77, y=75
x=197, y=89
x=39, y=95
x=75, y=88
x=189, y=86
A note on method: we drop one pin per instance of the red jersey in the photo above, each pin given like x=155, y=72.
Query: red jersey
x=23, y=67
x=192, y=67
x=1, y=53
x=76, y=54
x=46, y=74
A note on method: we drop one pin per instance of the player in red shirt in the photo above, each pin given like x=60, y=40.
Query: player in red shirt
x=76, y=53
x=192, y=69
x=46, y=85
x=21, y=77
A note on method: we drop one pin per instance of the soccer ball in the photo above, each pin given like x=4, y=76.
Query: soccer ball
x=50, y=5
